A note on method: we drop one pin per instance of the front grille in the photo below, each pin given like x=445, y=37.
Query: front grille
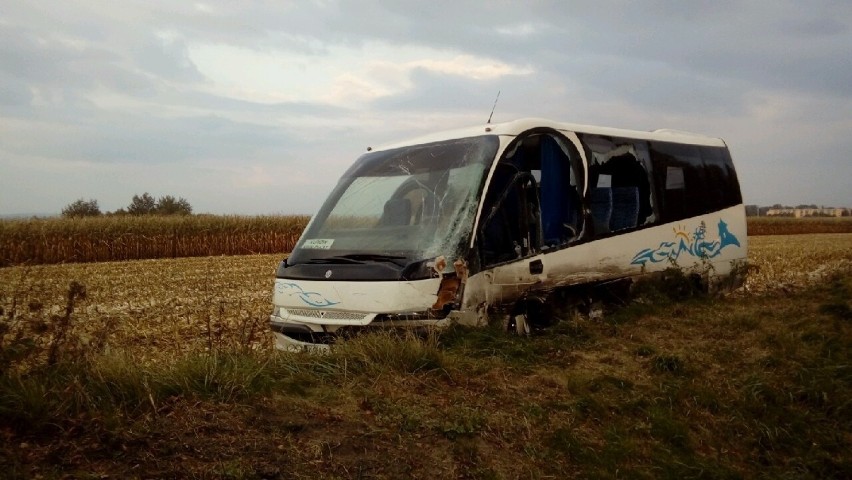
x=327, y=314
x=413, y=316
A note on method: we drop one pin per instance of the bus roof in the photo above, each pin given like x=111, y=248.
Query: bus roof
x=519, y=126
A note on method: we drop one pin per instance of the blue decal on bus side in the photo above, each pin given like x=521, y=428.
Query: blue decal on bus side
x=694, y=245
x=313, y=299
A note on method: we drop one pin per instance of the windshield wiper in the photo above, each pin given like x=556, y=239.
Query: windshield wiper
x=375, y=257
x=340, y=259
x=360, y=258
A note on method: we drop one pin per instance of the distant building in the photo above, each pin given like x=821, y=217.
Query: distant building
x=807, y=212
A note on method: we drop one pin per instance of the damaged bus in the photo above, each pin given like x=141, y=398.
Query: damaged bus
x=454, y=226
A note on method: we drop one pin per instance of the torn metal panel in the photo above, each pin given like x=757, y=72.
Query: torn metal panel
x=447, y=292
x=452, y=284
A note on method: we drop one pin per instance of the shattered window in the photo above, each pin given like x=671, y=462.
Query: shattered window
x=415, y=202
x=534, y=200
x=620, y=193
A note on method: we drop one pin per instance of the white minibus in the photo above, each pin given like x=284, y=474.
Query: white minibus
x=455, y=226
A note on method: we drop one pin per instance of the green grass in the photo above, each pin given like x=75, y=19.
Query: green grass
x=740, y=387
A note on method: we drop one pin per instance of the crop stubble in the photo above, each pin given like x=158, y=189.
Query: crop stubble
x=152, y=308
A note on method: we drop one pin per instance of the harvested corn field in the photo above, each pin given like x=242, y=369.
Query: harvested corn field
x=168, y=306
x=164, y=368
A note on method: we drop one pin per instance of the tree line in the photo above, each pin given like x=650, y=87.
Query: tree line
x=144, y=204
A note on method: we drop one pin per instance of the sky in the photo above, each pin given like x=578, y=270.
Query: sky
x=259, y=107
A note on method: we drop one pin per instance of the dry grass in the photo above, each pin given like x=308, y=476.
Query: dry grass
x=151, y=309
x=752, y=385
x=786, y=262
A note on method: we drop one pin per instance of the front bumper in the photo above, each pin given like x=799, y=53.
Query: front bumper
x=291, y=338
x=298, y=333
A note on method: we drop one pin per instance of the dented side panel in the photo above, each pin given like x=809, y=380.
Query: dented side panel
x=716, y=239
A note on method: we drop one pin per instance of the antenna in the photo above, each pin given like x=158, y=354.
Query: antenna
x=495, y=106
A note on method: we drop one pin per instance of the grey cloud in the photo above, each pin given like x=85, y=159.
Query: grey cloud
x=49, y=63
x=14, y=93
x=198, y=99
x=756, y=42
x=167, y=60
x=132, y=138
x=26, y=55
x=738, y=41
x=815, y=27
x=702, y=64
x=435, y=92
x=658, y=87
x=750, y=42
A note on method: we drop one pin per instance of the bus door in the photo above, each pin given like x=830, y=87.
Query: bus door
x=533, y=206
x=510, y=237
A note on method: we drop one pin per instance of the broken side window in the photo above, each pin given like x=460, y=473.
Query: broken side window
x=620, y=194
x=534, y=201
x=511, y=216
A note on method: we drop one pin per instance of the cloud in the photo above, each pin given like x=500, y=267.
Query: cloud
x=216, y=101
x=14, y=92
x=139, y=138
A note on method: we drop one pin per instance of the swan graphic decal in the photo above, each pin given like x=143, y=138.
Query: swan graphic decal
x=313, y=299
x=685, y=244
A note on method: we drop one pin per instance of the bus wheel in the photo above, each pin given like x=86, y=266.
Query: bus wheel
x=530, y=315
x=519, y=324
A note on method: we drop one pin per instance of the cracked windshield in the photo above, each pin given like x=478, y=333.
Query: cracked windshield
x=415, y=202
